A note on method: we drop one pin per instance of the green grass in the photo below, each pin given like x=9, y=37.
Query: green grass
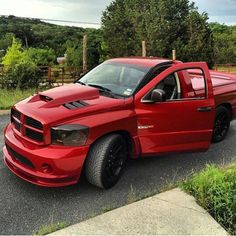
x=10, y=97
x=215, y=190
x=47, y=229
x=226, y=69
x=132, y=195
x=107, y=209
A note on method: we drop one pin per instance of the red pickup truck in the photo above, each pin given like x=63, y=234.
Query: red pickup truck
x=124, y=108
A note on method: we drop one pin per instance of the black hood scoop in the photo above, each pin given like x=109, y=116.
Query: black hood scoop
x=45, y=98
x=75, y=105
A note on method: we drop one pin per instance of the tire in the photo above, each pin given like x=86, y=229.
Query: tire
x=222, y=124
x=106, y=160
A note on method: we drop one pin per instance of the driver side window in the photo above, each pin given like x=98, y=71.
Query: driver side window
x=171, y=86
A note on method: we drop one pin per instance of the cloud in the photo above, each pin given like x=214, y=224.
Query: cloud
x=73, y=10
x=218, y=10
x=91, y=10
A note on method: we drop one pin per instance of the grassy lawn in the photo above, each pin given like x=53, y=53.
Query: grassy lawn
x=9, y=97
x=215, y=190
x=227, y=69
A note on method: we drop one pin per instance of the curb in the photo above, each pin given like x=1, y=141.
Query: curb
x=5, y=112
x=170, y=213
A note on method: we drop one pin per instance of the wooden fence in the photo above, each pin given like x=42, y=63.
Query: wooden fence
x=56, y=76
x=51, y=76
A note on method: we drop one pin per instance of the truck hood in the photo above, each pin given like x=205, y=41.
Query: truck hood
x=68, y=93
x=74, y=101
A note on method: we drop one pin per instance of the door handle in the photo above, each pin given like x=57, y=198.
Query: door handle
x=204, y=109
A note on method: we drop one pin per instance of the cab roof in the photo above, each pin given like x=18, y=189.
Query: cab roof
x=148, y=62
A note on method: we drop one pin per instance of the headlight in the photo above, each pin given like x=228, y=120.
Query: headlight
x=69, y=135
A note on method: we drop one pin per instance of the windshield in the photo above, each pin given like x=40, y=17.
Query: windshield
x=120, y=79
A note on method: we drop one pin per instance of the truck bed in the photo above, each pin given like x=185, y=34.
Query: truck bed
x=224, y=87
x=219, y=79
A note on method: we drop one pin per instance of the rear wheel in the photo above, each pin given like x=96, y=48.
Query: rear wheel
x=222, y=124
x=106, y=160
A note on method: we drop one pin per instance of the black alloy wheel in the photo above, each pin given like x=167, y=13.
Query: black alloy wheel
x=222, y=124
x=115, y=161
x=106, y=161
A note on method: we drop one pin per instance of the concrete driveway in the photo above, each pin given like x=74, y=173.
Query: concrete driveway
x=25, y=207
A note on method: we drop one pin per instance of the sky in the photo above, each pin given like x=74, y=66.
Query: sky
x=222, y=11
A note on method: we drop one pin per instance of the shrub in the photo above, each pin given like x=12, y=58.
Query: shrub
x=23, y=75
x=41, y=56
x=19, y=70
x=215, y=190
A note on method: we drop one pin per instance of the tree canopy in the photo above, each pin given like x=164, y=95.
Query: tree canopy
x=163, y=24
x=224, y=43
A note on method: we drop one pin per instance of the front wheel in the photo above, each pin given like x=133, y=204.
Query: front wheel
x=106, y=160
x=222, y=124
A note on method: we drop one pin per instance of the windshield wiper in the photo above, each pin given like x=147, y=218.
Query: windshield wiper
x=99, y=87
x=103, y=89
x=80, y=82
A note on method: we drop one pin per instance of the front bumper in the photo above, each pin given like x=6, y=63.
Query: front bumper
x=28, y=161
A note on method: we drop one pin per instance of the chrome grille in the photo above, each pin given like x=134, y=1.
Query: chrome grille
x=27, y=126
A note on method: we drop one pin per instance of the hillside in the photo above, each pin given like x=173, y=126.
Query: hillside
x=66, y=39
x=38, y=34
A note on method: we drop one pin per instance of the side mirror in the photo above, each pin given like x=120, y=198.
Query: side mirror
x=158, y=95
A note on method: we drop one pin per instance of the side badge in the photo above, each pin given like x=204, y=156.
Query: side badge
x=141, y=127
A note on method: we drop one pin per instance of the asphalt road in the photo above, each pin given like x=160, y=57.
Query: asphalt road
x=25, y=207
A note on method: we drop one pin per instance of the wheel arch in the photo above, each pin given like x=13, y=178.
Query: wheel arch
x=228, y=106
x=124, y=133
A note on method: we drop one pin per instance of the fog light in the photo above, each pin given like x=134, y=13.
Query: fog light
x=47, y=169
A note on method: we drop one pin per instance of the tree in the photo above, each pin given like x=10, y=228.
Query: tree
x=163, y=24
x=200, y=44
x=38, y=34
x=95, y=51
x=42, y=56
x=74, y=54
x=14, y=54
x=20, y=71
x=225, y=43
x=5, y=42
x=120, y=38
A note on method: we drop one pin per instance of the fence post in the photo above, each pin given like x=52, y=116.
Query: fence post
x=62, y=75
x=174, y=54
x=144, y=50
x=85, y=41
x=50, y=76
